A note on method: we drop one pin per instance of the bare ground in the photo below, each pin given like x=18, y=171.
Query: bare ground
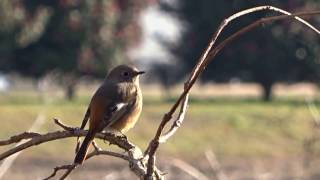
x=99, y=168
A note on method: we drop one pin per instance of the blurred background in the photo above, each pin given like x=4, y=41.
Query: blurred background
x=252, y=115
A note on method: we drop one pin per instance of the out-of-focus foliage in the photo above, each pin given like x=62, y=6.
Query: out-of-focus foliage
x=71, y=36
x=283, y=51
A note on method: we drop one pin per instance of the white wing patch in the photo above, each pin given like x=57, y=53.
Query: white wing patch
x=120, y=105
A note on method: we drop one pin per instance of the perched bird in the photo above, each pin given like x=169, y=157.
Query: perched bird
x=116, y=106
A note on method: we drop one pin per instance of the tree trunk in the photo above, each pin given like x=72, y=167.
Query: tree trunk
x=70, y=83
x=267, y=92
x=70, y=92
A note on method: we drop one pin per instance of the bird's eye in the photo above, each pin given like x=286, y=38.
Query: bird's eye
x=125, y=74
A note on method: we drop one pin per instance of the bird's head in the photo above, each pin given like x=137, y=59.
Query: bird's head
x=125, y=73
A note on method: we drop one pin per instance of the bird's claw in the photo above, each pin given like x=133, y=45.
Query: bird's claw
x=122, y=136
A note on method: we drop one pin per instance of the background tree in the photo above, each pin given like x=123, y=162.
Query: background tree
x=70, y=37
x=270, y=54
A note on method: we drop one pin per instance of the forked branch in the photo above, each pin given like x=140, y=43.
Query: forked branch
x=207, y=56
x=134, y=155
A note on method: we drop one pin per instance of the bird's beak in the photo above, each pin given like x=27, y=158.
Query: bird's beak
x=140, y=72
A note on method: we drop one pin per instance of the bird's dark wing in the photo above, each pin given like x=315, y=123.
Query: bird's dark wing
x=116, y=112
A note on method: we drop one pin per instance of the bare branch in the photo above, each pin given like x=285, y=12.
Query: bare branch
x=43, y=138
x=18, y=138
x=203, y=61
x=136, y=161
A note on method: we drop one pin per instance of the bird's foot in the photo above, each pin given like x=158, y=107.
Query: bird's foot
x=76, y=130
x=105, y=138
x=123, y=136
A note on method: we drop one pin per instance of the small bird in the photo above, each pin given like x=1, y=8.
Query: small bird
x=115, y=106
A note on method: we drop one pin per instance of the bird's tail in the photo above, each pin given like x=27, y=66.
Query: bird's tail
x=81, y=154
x=83, y=124
x=77, y=145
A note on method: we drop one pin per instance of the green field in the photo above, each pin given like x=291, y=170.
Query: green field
x=245, y=127
x=233, y=128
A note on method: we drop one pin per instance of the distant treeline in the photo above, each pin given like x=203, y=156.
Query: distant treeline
x=283, y=51
x=75, y=38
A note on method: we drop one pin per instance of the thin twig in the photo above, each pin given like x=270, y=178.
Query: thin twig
x=95, y=145
x=59, y=168
x=314, y=112
x=109, y=153
x=192, y=171
x=215, y=51
x=310, y=142
x=63, y=126
x=66, y=174
x=177, y=123
x=215, y=165
x=97, y=151
x=6, y=164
